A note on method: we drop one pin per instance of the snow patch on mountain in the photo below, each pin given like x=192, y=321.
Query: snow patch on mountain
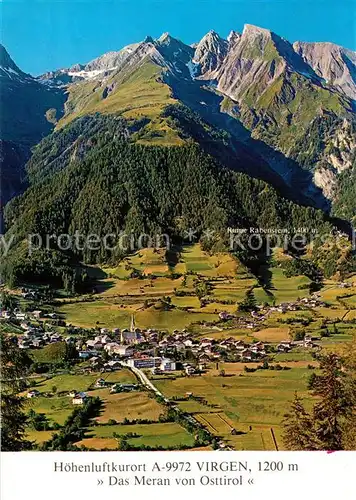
x=193, y=68
x=88, y=75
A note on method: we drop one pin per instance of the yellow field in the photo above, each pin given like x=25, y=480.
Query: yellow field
x=326, y=312
x=189, y=301
x=254, y=437
x=98, y=443
x=350, y=315
x=215, y=307
x=111, y=315
x=273, y=334
x=38, y=437
x=134, y=405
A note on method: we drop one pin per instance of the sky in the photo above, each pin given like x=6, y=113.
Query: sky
x=46, y=35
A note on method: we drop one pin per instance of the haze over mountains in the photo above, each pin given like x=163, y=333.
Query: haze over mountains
x=279, y=112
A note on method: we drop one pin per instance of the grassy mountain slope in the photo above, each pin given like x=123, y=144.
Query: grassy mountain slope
x=135, y=94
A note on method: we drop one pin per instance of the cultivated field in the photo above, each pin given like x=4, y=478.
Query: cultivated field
x=241, y=400
x=133, y=405
x=166, y=435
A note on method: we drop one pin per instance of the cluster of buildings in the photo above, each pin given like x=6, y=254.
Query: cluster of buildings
x=263, y=312
x=19, y=315
x=35, y=337
x=307, y=342
x=146, y=349
x=161, y=355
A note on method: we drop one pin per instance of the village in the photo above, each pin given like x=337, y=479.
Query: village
x=152, y=386
x=105, y=350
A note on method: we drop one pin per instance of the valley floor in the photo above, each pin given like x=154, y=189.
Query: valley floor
x=240, y=400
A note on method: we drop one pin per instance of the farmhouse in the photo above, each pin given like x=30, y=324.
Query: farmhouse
x=20, y=315
x=33, y=394
x=84, y=354
x=100, y=383
x=189, y=370
x=113, y=364
x=94, y=344
x=123, y=388
x=37, y=314
x=80, y=398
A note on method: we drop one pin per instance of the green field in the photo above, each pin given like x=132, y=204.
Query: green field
x=259, y=399
x=283, y=289
x=79, y=382
x=168, y=275
x=165, y=295
x=166, y=435
x=110, y=315
x=55, y=408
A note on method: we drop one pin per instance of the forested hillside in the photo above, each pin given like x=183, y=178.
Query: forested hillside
x=118, y=185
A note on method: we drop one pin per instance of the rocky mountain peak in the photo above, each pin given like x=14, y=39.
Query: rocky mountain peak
x=335, y=64
x=212, y=39
x=8, y=68
x=76, y=67
x=233, y=37
x=110, y=60
x=175, y=54
x=165, y=38
x=252, y=30
x=211, y=52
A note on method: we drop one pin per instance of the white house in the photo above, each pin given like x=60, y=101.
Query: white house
x=80, y=398
x=167, y=365
x=144, y=362
x=121, y=350
x=189, y=370
x=37, y=314
x=94, y=344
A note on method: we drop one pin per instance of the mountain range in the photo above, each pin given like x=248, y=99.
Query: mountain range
x=278, y=112
x=266, y=96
